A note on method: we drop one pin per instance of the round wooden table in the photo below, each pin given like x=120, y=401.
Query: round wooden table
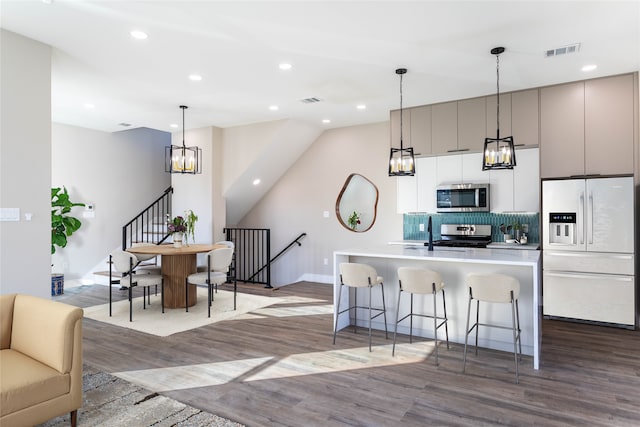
x=177, y=264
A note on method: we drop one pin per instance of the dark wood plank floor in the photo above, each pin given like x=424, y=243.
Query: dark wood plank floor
x=589, y=376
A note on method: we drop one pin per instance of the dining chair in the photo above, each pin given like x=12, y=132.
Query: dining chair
x=218, y=261
x=125, y=262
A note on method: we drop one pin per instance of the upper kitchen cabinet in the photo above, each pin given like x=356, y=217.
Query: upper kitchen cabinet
x=427, y=177
x=444, y=128
x=526, y=181
x=421, y=130
x=525, y=123
x=608, y=115
x=472, y=126
x=562, y=130
x=586, y=128
x=505, y=117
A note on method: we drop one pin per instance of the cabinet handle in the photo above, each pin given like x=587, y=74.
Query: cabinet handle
x=458, y=150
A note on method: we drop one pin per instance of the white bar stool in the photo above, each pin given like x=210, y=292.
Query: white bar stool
x=424, y=282
x=360, y=276
x=494, y=288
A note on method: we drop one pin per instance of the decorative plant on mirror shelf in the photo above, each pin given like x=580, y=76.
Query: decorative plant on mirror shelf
x=63, y=225
x=354, y=220
x=176, y=227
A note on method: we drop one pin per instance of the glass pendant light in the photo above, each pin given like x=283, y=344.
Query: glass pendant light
x=401, y=160
x=498, y=152
x=183, y=159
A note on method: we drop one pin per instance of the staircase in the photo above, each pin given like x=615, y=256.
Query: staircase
x=150, y=225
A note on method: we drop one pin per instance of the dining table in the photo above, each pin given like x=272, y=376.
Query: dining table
x=177, y=264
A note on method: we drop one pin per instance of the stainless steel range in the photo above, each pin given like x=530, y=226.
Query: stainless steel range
x=464, y=235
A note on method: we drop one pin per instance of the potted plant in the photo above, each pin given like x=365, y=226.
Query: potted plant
x=63, y=226
x=176, y=227
x=190, y=222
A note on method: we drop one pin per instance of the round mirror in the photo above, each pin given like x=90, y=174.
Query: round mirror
x=357, y=203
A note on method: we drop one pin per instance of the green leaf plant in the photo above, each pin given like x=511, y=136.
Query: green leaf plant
x=63, y=225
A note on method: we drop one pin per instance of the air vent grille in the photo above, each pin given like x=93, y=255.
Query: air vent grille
x=564, y=50
x=124, y=124
x=311, y=100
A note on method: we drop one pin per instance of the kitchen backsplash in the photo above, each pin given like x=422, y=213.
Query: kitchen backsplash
x=411, y=228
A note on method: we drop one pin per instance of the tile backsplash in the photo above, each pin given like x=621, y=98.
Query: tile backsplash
x=412, y=221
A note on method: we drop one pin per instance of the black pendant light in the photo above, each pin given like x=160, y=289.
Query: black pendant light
x=498, y=152
x=401, y=160
x=183, y=159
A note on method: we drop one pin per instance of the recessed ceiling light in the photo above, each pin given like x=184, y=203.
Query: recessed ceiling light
x=256, y=181
x=89, y=106
x=326, y=121
x=47, y=1
x=361, y=107
x=273, y=107
x=173, y=125
x=195, y=77
x=285, y=66
x=140, y=35
x=589, y=67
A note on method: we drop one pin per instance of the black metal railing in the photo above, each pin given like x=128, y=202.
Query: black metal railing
x=150, y=225
x=252, y=254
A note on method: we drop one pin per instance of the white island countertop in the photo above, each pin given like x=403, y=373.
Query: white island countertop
x=454, y=264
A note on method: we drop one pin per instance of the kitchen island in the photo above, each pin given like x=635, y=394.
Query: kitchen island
x=453, y=264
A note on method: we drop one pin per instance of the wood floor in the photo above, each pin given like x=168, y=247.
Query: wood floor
x=589, y=376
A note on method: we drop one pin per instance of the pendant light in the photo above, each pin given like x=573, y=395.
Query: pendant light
x=498, y=152
x=401, y=160
x=183, y=159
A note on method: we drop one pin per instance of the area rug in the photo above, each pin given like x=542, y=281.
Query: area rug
x=111, y=401
x=153, y=321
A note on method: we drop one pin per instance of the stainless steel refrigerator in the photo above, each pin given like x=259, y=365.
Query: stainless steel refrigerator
x=588, y=250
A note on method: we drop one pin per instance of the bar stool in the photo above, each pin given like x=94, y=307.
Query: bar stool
x=494, y=288
x=423, y=282
x=360, y=276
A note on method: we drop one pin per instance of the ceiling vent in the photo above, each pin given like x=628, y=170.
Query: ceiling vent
x=124, y=124
x=572, y=48
x=311, y=100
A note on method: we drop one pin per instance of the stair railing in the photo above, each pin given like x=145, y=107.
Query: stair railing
x=150, y=225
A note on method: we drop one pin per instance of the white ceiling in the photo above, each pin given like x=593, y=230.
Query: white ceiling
x=343, y=52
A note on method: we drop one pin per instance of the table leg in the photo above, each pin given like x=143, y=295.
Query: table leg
x=175, y=268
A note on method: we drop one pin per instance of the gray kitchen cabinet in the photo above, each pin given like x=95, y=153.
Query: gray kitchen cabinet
x=586, y=128
x=505, y=116
x=562, y=130
x=608, y=135
x=472, y=124
x=444, y=128
x=421, y=130
x=525, y=123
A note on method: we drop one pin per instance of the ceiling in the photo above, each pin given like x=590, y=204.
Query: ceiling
x=342, y=52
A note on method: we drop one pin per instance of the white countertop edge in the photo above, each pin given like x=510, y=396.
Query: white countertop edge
x=529, y=258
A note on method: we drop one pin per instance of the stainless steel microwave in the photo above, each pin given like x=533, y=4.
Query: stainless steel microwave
x=462, y=198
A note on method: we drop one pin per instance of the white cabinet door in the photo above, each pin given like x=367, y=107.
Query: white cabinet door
x=472, y=172
x=449, y=169
x=407, y=192
x=501, y=189
x=526, y=181
x=427, y=175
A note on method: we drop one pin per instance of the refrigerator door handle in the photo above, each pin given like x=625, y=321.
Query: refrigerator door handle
x=589, y=276
x=579, y=225
x=587, y=255
x=590, y=219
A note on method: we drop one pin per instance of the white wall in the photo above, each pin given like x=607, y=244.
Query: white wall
x=121, y=173
x=202, y=193
x=310, y=187
x=25, y=164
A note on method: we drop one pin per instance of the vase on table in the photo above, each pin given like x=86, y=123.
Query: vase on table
x=177, y=239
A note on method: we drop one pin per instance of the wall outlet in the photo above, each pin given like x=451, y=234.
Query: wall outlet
x=326, y=261
x=421, y=227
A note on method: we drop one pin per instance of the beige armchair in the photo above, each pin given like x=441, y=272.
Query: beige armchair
x=40, y=360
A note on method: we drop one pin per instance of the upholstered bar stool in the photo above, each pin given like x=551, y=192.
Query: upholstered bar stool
x=360, y=276
x=494, y=288
x=421, y=281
